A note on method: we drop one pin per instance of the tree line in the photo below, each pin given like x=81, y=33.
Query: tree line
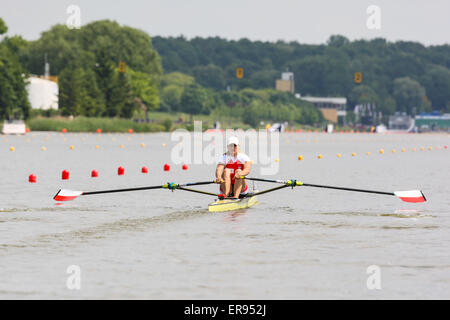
x=400, y=76
x=198, y=76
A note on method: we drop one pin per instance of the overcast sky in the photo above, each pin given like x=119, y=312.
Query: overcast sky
x=313, y=21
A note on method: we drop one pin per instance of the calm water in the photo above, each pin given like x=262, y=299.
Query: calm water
x=302, y=243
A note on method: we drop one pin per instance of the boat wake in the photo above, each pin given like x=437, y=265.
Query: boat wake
x=62, y=240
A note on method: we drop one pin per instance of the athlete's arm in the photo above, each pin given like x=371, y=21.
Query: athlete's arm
x=219, y=172
x=242, y=173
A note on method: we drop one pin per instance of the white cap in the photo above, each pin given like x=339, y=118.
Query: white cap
x=233, y=140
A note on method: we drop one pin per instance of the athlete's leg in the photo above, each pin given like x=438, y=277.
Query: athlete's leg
x=239, y=185
x=226, y=186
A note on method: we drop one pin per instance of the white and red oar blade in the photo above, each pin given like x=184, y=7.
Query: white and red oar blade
x=67, y=195
x=411, y=196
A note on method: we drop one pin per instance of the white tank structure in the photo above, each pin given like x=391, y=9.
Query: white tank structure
x=42, y=93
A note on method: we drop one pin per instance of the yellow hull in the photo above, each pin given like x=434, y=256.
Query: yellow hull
x=231, y=205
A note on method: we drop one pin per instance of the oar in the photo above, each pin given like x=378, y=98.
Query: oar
x=67, y=195
x=407, y=196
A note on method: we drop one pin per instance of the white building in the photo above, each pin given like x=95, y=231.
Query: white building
x=42, y=93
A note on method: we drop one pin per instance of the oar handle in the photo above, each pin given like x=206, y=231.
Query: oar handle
x=290, y=183
x=264, y=180
x=196, y=183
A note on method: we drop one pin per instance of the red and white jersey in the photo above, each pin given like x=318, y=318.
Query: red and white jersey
x=234, y=163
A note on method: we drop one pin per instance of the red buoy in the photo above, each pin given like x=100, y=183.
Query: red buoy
x=32, y=178
x=130, y=130
x=166, y=167
x=64, y=130
x=144, y=169
x=185, y=167
x=65, y=175
x=121, y=171
x=99, y=130
x=94, y=174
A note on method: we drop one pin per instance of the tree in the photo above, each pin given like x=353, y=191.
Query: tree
x=173, y=85
x=3, y=27
x=145, y=88
x=93, y=53
x=93, y=100
x=387, y=106
x=70, y=91
x=177, y=78
x=337, y=41
x=210, y=76
x=194, y=100
x=120, y=102
x=61, y=46
x=409, y=95
x=13, y=95
x=437, y=84
x=362, y=95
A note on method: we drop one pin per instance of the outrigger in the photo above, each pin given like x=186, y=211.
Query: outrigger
x=246, y=201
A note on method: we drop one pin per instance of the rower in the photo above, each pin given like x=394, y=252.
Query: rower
x=231, y=168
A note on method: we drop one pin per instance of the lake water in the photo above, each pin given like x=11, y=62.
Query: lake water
x=304, y=243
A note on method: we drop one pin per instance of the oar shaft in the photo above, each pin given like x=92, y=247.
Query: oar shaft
x=347, y=189
x=318, y=186
x=122, y=190
x=198, y=191
x=165, y=186
x=269, y=190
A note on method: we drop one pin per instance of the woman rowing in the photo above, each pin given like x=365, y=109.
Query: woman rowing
x=231, y=168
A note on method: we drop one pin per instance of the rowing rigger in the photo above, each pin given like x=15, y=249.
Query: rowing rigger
x=246, y=201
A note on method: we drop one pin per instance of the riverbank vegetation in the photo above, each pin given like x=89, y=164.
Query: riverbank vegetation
x=122, y=75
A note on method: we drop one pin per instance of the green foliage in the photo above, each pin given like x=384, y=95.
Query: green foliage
x=86, y=61
x=3, y=27
x=167, y=123
x=210, y=76
x=195, y=100
x=409, y=95
x=178, y=79
x=83, y=124
x=145, y=88
x=362, y=94
x=272, y=106
x=173, y=85
x=120, y=102
x=436, y=81
x=337, y=41
x=321, y=70
x=15, y=44
x=387, y=106
x=400, y=76
x=13, y=95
